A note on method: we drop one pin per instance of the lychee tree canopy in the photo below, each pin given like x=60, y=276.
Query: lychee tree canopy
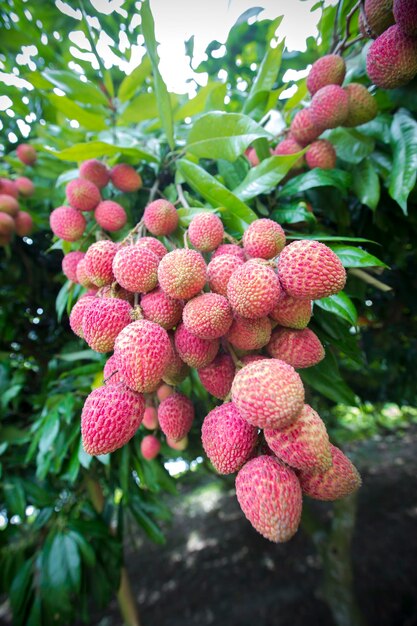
x=77, y=106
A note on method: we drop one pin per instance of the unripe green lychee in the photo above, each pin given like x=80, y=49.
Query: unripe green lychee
x=156, y=246
x=26, y=153
x=194, y=351
x=98, y=262
x=304, y=129
x=161, y=217
x=217, y=376
x=23, y=223
x=379, y=17
x=219, y=271
x=329, y=107
x=268, y=393
x=9, y=205
x=269, y=495
x=125, y=178
x=67, y=223
x=182, y=273
x=110, y=215
x=77, y=314
x=136, y=268
x=292, y=312
x=362, y=105
x=103, y=320
x=249, y=334
x=263, y=239
x=208, y=316
x=69, y=264
x=228, y=439
x=328, y=70
x=96, y=172
x=392, y=59
x=339, y=481
x=304, y=444
x=82, y=194
x=25, y=186
x=405, y=14
x=229, y=248
x=310, y=270
x=253, y=290
x=206, y=232
x=150, y=447
x=160, y=308
x=175, y=416
x=321, y=154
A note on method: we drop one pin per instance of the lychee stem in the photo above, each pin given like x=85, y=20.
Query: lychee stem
x=237, y=362
x=342, y=44
x=186, y=244
x=369, y=279
x=132, y=232
x=231, y=239
x=181, y=196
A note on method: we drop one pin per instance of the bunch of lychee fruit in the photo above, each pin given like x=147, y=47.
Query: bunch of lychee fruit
x=238, y=314
x=13, y=220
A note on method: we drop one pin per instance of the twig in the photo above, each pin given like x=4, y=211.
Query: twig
x=186, y=244
x=93, y=45
x=364, y=17
x=336, y=24
x=369, y=279
x=132, y=232
x=341, y=45
x=237, y=362
x=181, y=196
x=231, y=239
x=154, y=190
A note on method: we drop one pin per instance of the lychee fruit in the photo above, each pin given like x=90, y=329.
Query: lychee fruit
x=194, y=351
x=206, y=232
x=160, y=308
x=99, y=262
x=182, y=273
x=25, y=186
x=82, y=277
x=136, y=268
x=67, y=223
x=150, y=447
x=329, y=107
x=292, y=312
x=164, y=391
x=252, y=157
x=268, y=393
x=110, y=215
x=8, y=187
x=392, y=59
x=362, y=105
x=23, y=223
x=160, y=217
x=176, y=370
x=9, y=205
x=26, y=153
x=77, y=314
x=111, y=374
x=263, y=239
x=219, y=271
x=310, y=270
x=116, y=291
x=7, y=224
x=180, y=445
x=405, y=14
x=69, y=264
x=303, y=128
x=125, y=178
x=289, y=146
x=321, y=154
x=339, y=481
x=208, y=316
x=228, y=439
x=103, y=321
x=253, y=290
x=304, y=444
x=229, y=248
x=82, y=194
x=217, y=376
x=156, y=246
x=269, y=495
x=328, y=70
x=379, y=17
x=143, y=351
x=150, y=418
x=175, y=416
x=110, y=417
x=96, y=172
x=249, y=334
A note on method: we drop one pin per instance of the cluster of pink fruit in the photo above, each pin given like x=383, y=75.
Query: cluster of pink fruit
x=84, y=195
x=245, y=335
x=12, y=219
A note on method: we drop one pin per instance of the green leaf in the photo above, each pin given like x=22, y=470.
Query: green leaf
x=199, y=104
x=296, y=98
x=94, y=149
x=325, y=378
x=62, y=298
x=233, y=173
x=151, y=529
x=238, y=216
x=356, y=257
x=317, y=178
x=265, y=176
x=72, y=111
x=293, y=214
x=162, y=96
x=61, y=564
x=134, y=81
x=351, y=145
x=76, y=89
x=404, y=166
x=340, y=304
x=366, y=185
x=220, y=135
x=143, y=107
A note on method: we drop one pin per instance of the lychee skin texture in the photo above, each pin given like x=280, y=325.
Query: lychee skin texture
x=7, y=225
x=158, y=307
x=304, y=129
x=150, y=447
x=110, y=417
x=321, y=154
x=150, y=418
x=289, y=146
x=304, y=445
x=9, y=187
x=217, y=376
x=99, y=262
x=69, y=264
x=253, y=290
x=292, y=312
x=9, y=205
x=136, y=269
x=82, y=277
x=164, y=391
x=405, y=14
x=176, y=370
x=263, y=239
x=125, y=178
x=160, y=217
x=103, y=321
x=154, y=245
x=182, y=273
x=111, y=375
x=219, y=271
x=268, y=393
x=143, y=351
x=362, y=105
x=378, y=15
x=23, y=224
x=26, y=154
x=25, y=186
x=229, y=248
x=77, y=315
x=82, y=194
x=206, y=232
x=67, y=223
x=228, y=440
x=270, y=496
x=329, y=107
x=328, y=70
x=248, y=334
x=208, y=316
x=339, y=481
x=310, y=270
x=175, y=416
x=115, y=291
x=392, y=59
x=110, y=215
x=96, y=172
x=194, y=351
